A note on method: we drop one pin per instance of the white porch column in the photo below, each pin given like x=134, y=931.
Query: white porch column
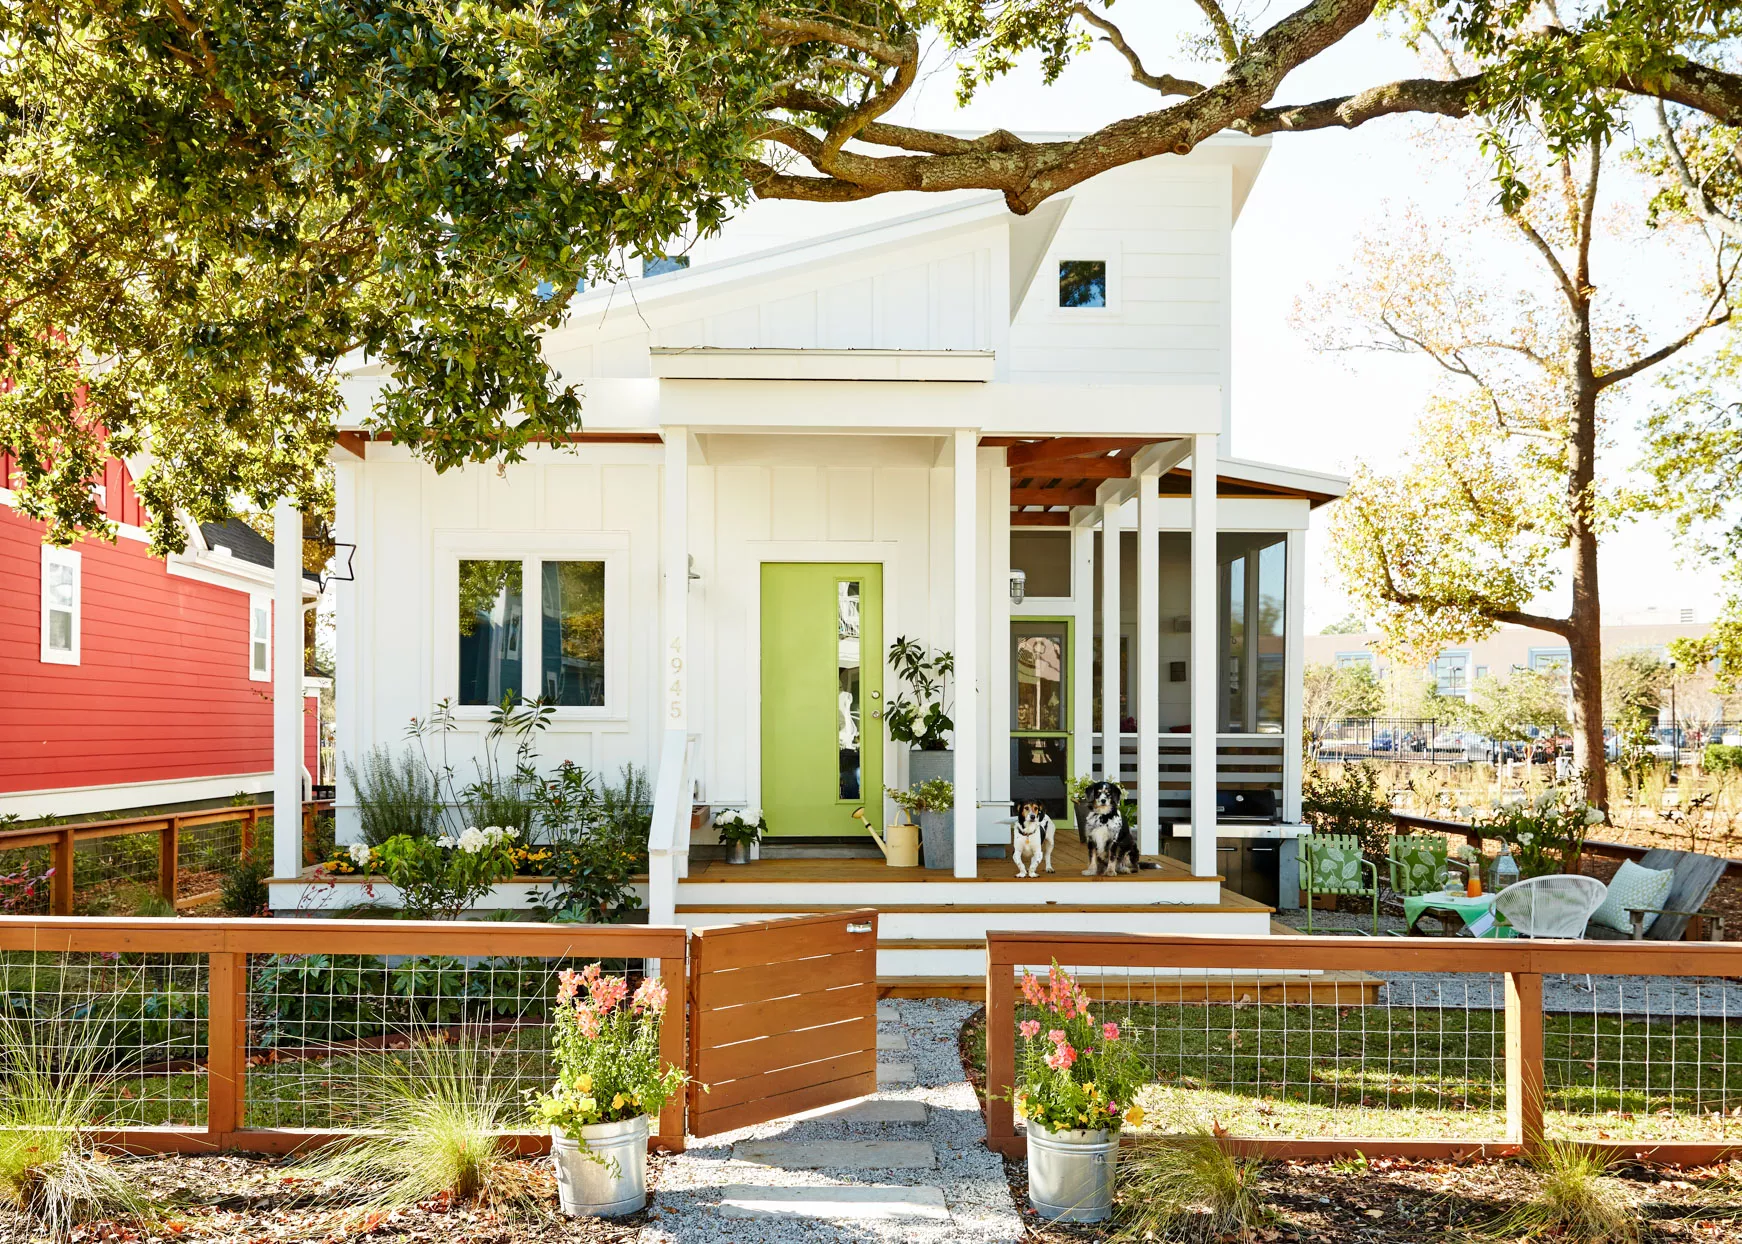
x=1205, y=674
x=674, y=563
x=1083, y=641
x=1294, y=670
x=967, y=649
x=286, y=689
x=1111, y=672
x=1148, y=661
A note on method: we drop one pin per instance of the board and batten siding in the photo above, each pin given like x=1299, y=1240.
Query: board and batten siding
x=838, y=499
x=161, y=691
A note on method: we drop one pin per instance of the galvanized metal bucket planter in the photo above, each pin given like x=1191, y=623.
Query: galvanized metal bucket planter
x=937, y=837
x=1070, y=1173
x=737, y=853
x=604, y=1174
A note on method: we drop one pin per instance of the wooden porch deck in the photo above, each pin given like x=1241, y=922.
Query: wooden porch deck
x=1069, y=858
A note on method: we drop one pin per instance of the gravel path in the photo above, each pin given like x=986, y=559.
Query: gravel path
x=957, y=1192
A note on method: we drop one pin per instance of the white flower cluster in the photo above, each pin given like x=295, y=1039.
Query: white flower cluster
x=739, y=816
x=473, y=840
x=359, y=854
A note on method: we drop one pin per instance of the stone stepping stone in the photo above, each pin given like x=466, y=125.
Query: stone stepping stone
x=894, y=1041
x=887, y=1011
x=871, y=1110
x=894, y=1073
x=841, y=1155
x=851, y=1204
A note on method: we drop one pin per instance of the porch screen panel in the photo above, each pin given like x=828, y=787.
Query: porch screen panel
x=1040, y=715
x=572, y=643
x=1251, y=618
x=492, y=619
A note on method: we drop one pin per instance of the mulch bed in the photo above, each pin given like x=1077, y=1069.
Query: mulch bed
x=241, y=1199
x=1392, y=1201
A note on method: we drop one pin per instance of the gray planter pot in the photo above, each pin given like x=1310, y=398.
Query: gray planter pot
x=924, y=766
x=737, y=853
x=937, y=839
x=1070, y=1174
x=604, y=1173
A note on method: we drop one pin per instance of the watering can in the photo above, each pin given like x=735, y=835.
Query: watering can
x=901, y=848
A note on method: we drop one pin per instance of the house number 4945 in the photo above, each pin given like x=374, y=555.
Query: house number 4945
x=676, y=707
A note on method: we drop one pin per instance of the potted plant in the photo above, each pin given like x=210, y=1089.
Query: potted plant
x=609, y=1086
x=919, y=716
x=740, y=829
x=1076, y=1086
x=932, y=804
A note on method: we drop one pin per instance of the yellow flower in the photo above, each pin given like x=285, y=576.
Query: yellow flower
x=1022, y=1107
x=617, y=1102
x=1134, y=1116
x=584, y=1082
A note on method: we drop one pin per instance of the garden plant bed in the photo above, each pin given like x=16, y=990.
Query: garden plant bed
x=241, y=1199
x=1393, y=1201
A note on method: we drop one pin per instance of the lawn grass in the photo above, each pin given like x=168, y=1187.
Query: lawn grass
x=1309, y=1071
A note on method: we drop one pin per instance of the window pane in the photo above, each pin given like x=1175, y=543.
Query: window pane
x=490, y=626
x=1082, y=282
x=1268, y=635
x=60, y=586
x=259, y=654
x=574, y=634
x=60, y=630
x=1037, y=771
x=262, y=617
x=847, y=663
x=1040, y=679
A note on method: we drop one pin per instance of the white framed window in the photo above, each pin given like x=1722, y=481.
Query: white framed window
x=1082, y=281
x=260, y=638
x=544, y=620
x=62, y=606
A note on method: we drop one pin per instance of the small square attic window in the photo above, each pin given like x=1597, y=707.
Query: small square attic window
x=1082, y=282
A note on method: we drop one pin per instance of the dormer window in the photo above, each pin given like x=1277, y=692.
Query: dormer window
x=1082, y=283
x=659, y=265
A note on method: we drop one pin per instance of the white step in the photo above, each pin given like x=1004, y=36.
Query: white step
x=852, y=1204
x=838, y=1155
x=1073, y=893
x=943, y=922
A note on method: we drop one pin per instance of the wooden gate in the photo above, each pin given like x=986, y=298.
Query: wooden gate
x=783, y=1017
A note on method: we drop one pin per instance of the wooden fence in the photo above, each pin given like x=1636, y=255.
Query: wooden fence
x=62, y=840
x=1111, y=963
x=230, y=1006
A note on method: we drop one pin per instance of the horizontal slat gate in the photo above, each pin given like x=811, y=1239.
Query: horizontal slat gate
x=783, y=1018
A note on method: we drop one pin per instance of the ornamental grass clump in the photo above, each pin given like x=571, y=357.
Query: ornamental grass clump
x=440, y=1112
x=1073, y=1072
x=53, y=1095
x=606, y=1047
x=1575, y=1200
x=1188, y=1187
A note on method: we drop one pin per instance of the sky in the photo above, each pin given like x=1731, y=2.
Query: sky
x=1316, y=195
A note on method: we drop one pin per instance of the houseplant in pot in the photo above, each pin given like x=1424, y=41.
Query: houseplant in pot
x=919, y=716
x=1076, y=1084
x=740, y=829
x=932, y=804
x=609, y=1086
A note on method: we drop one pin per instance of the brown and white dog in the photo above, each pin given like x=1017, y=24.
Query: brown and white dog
x=1112, y=849
x=1034, y=837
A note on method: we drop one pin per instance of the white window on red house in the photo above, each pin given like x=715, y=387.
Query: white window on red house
x=60, y=606
x=260, y=639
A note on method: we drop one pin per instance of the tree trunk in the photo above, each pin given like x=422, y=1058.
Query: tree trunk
x=1585, y=621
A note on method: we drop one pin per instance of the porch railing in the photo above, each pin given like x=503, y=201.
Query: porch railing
x=1314, y=1046
x=668, y=838
x=1243, y=762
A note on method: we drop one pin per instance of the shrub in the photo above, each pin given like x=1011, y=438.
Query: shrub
x=1188, y=1187
x=1722, y=758
x=396, y=796
x=1350, y=802
x=440, y=879
x=598, y=842
x=244, y=890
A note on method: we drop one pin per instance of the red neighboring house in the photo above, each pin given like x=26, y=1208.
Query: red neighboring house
x=128, y=680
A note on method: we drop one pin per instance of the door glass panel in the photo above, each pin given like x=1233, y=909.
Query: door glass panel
x=1040, y=679
x=847, y=664
x=1038, y=772
x=490, y=631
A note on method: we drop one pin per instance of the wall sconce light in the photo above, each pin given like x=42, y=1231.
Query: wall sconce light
x=694, y=574
x=1018, y=586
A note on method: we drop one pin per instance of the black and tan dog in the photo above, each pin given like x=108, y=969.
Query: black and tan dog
x=1034, y=839
x=1112, y=849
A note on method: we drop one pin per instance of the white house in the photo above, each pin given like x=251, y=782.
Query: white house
x=835, y=427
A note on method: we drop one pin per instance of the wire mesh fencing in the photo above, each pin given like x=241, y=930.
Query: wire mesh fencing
x=1394, y=1044
x=259, y=1033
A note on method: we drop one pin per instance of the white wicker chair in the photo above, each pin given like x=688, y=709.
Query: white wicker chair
x=1558, y=906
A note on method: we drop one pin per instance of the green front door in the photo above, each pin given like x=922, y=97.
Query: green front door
x=822, y=697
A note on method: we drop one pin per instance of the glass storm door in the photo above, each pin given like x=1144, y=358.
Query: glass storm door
x=1040, y=727
x=822, y=697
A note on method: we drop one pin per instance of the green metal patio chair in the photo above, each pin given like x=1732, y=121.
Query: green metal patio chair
x=1332, y=864
x=1418, y=863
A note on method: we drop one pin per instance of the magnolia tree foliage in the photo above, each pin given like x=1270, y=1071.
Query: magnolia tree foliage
x=204, y=208
x=1501, y=496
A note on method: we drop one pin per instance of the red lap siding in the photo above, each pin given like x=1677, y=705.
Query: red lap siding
x=161, y=690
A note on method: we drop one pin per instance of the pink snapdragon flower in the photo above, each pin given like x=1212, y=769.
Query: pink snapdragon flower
x=587, y=1020
x=1062, y=1057
x=1029, y=1027
x=1110, y=1031
x=651, y=995
x=1056, y=1036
